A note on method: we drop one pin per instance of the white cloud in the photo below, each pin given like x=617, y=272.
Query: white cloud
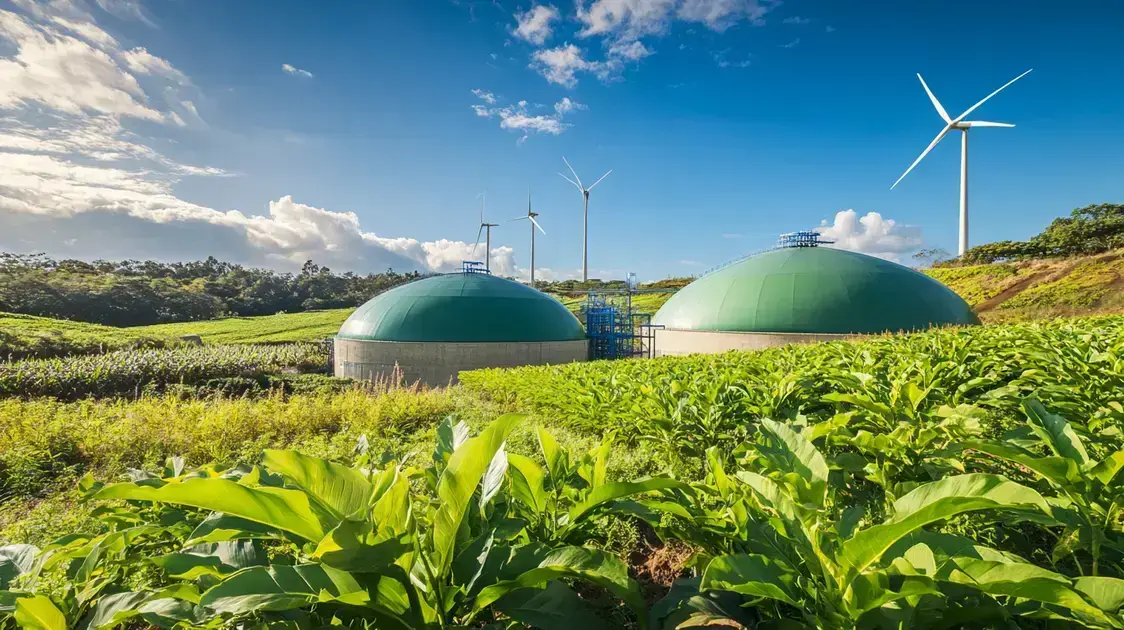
x=631, y=19
x=630, y=51
x=65, y=73
x=793, y=44
x=534, y=25
x=829, y=29
x=293, y=70
x=487, y=97
x=141, y=61
x=796, y=20
x=724, y=61
x=561, y=64
x=871, y=234
x=517, y=118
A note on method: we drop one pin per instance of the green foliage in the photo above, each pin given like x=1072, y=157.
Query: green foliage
x=332, y=544
x=26, y=337
x=43, y=443
x=975, y=283
x=131, y=372
x=133, y=293
x=1090, y=230
x=280, y=328
x=1085, y=285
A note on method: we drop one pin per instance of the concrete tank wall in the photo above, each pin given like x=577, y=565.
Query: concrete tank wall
x=670, y=342
x=438, y=363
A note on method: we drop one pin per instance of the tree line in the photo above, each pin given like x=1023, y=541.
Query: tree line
x=1090, y=230
x=135, y=293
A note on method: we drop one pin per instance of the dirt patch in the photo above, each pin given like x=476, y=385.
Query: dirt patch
x=657, y=567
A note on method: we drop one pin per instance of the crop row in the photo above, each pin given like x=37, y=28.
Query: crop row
x=134, y=371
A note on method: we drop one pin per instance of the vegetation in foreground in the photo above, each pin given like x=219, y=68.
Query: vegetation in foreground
x=909, y=481
x=28, y=336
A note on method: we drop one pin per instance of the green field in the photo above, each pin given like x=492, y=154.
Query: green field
x=29, y=336
x=284, y=327
x=955, y=472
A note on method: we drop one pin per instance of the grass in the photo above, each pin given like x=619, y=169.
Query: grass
x=25, y=336
x=976, y=283
x=284, y=327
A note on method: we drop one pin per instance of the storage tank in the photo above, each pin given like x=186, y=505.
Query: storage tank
x=438, y=326
x=803, y=294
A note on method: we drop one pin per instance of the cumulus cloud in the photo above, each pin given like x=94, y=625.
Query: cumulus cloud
x=796, y=19
x=562, y=64
x=517, y=117
x=534, y=25
x=632, y=19
x=295, y=71
x=79, y=181
x=871, y=234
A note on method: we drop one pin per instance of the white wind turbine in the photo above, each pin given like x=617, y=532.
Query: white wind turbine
x=962, y=125
x=585, y=219
x=485, y=228
x=530, y=216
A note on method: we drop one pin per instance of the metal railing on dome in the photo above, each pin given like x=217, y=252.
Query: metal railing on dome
x=801, y=238
x=472, y=266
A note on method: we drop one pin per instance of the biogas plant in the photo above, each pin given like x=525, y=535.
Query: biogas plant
x=799, y=292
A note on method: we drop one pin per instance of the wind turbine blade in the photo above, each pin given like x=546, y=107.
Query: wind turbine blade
x=537, y=224
x=973, y=108
x=478, y=233
x=576, y=185
x=599, y=181
x=984, y=123
x=519, y=218
x=936, y=103
x=574, y=172
x=924, y=153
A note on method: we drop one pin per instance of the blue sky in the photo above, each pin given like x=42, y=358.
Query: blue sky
x=718, y=117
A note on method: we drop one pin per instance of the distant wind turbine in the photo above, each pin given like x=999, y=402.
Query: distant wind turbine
x=486, y=228
x=585, y=219
x=963, y=126
x=530, y=216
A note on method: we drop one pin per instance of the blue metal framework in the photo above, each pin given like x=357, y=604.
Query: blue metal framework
x=471, y=266
x=614, y=329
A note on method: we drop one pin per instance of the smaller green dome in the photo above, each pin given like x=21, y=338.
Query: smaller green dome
x=456, y=307
x=814, y=290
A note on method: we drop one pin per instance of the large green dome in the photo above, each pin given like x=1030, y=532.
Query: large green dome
x=456, y=307
x=814, y=290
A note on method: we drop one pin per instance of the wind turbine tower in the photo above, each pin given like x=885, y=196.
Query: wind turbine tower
x=486, y=229
x=585, y=217
x=963, y=126
x=530, y=216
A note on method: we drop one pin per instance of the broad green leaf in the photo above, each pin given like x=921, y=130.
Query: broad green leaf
x=450, y=435
x=219, y=527
x=591, y=565
x=1061, y=471
x=527, y=482
x=116, y=608
x=601, y=462
x=1055, y=432
x=771, y=494
x=493, y=478
x=714, y=463
x=1107, y=469
x=458, y=483
x=359, y=548
x=281, y=508
x=933, y=502
x=1106, y=593
x=343, y=491
x=282, y=588
x=14, y=561
x=753, y=575
x=555, y=607
x=215, y=559
x=791, y=452
x=874, y=590
x=619, y=489
x=555, y=457
x=39, y=613
x=1024, y=581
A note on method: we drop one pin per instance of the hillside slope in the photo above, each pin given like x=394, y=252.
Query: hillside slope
x=24, y=336
x=1036, y=289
